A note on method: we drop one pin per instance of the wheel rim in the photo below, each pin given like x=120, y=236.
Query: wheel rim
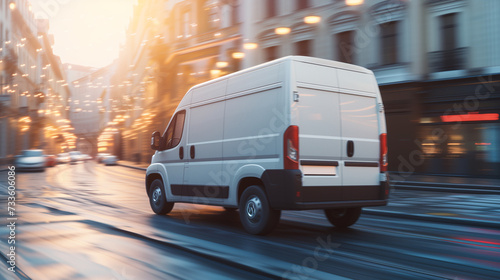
x=156, y=196
x=253, y=209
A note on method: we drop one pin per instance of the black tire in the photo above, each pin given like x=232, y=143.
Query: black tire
x=157, y=198
x=343, y=217
x=256, y=214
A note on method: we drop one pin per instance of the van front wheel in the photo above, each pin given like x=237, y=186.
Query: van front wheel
x=343, y=217
x=256, y=214
x=157, y=198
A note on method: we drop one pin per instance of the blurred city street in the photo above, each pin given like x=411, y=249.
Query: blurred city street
x=90, y=221
x=112, y=111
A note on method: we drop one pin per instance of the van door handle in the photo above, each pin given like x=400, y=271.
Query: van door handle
x=350, y=148
x=191, y=152
x=181, y=152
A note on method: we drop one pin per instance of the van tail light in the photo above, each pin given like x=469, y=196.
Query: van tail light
x=291, y=147
x=383, y=152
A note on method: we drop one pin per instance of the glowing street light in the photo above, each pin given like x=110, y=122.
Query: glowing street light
x=221, y=64
x=282, y=30
x=312, y=19
x=238, y=55
x=250, y=46
x=12, y=5
x=354, y=2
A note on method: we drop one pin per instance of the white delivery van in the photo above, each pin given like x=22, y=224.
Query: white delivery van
x=294, y=133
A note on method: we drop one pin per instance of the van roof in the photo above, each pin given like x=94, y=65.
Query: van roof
x=307, y=59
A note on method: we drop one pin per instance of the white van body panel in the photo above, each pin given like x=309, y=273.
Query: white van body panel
x=235, y=126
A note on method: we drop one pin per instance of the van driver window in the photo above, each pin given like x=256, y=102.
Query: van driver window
x=173, y=134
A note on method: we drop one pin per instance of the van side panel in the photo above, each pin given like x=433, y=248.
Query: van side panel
x=254, y=121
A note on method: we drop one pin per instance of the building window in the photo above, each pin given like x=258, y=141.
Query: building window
x=448, y=32
x=345, y=46
x=271, y=53
x=389, y=42
x=213, y=16
x=272, y=8
x=303, y=4
x=303, y=47
x=186, y=25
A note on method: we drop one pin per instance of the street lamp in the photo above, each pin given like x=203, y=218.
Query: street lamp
x=221, y=64
x=250, y=46
x=12, y=5
x=282, y=30
x=238, y=55
x=312, y=19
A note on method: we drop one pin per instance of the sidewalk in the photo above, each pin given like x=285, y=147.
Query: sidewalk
x=445, y=183
x=446, y=206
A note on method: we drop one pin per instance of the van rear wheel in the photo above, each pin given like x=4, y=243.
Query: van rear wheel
x=158, y=200
x=256, y=214
x=343, y=217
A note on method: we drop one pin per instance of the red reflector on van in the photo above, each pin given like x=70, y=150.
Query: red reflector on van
x=383, y=152
x=291, y=147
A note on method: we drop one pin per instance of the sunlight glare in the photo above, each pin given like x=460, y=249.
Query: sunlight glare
x=89, y=32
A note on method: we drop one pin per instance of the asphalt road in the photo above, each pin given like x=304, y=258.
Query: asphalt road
x=89, y=221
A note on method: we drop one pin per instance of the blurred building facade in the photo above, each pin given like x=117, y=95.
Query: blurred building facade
x=171, y=45
x=436, y=61
x=135, y=94
x=57, y=130
x=33, y=93
x=89, y=106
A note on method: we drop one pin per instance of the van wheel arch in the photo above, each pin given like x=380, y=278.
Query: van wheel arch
x=247, y=182
x=149, y=180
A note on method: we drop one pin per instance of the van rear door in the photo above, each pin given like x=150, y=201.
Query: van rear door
x=318, y=116
x=360, y=133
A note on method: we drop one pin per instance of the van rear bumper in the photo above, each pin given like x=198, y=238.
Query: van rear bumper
x=285, y=192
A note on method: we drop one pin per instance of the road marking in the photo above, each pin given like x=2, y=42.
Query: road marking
x=442, y=214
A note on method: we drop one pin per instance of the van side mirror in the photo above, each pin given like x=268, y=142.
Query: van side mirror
x=156, y=140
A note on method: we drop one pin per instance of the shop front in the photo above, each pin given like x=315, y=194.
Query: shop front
x=459, y=128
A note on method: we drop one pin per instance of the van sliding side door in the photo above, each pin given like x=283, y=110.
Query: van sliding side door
x=202, y=183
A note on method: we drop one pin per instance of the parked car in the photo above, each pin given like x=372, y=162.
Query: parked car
x=292, y=134
x=100, y=156
x=30, y=160
x=63, y=158
x=110, y=160
x=50, y=160
x=86, y=157
x=75, y=157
